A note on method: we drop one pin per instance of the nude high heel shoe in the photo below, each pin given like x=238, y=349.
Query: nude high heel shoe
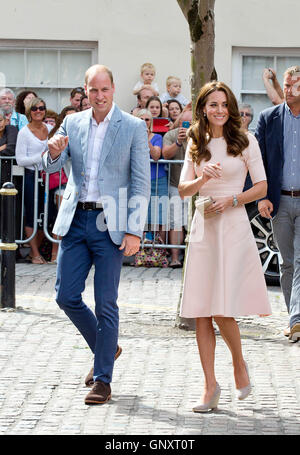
x=245, y=391
x=212, y=403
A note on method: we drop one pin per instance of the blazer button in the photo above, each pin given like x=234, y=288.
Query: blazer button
x=82, y=173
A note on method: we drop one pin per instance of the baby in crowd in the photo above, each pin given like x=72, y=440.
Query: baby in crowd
x=147, y=78
x=173, y=85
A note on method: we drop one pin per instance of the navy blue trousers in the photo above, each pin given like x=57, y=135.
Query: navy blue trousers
x=83, y=246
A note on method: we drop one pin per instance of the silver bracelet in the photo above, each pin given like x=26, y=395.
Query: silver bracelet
x=235, y=201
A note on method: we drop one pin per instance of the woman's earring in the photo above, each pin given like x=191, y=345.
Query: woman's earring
x=204, y=114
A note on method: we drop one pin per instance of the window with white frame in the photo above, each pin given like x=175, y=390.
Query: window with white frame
x=248, y=65
x=50, y=69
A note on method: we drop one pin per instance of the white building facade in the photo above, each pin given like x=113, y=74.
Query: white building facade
x=47, y=47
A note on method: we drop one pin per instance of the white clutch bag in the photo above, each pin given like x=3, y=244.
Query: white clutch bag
x=201, y=205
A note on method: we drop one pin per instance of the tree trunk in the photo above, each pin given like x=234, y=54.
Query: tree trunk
x=201, y=19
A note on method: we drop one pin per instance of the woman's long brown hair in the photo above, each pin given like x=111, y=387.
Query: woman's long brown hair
x=200, y=132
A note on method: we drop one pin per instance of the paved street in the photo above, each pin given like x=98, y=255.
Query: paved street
x=157, y=379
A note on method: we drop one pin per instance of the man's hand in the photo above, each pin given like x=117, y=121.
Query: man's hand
x=265, y=208
x=188, y=107
x=272, y=74
x=57, y=145
x=130, y=244
x=181, y=137
x=268, y=73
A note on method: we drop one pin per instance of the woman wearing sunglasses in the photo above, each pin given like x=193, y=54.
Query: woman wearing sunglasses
x=31, y=143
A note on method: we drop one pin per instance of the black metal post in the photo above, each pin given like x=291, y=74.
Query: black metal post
x=8, y=245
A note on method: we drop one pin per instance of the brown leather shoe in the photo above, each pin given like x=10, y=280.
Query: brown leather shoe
x=295, y=333
x=100, y=393
x=89, y=380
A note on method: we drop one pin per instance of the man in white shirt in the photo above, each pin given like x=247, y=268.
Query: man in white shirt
x=109, y=152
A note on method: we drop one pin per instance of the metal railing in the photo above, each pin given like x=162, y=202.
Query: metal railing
x=42, y=218
x=168, y=164
x=46, y=207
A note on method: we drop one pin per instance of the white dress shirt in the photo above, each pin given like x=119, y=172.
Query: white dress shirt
x=89, y=188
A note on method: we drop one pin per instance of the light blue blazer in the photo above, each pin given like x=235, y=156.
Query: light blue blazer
x=123, y=174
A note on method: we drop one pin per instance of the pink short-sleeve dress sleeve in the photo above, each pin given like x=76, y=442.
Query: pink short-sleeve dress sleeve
x=253, y=160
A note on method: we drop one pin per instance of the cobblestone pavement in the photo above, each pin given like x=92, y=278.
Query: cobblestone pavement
x=157, y=379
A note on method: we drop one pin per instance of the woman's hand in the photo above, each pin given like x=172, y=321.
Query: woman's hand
x=211, y=171
x=219, y=204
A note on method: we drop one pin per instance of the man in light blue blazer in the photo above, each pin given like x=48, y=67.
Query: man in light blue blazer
x=101, y=217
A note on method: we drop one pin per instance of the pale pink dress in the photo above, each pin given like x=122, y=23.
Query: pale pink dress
x=223, y=273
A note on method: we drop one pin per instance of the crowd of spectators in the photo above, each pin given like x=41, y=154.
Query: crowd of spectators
x=25, y=127
x=166, y=141
x=167, y=114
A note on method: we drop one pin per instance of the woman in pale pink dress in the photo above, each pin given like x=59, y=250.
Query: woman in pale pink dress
x=223, y=275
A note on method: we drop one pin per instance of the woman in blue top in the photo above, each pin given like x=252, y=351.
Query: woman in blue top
x=158, y=207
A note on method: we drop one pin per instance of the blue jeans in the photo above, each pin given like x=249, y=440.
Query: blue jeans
x=286, y=227
x=83, y=246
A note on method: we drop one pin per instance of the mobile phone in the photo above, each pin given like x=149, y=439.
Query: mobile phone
x=185, y=124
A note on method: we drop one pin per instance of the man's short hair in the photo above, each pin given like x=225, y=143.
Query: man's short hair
x=98, y=68
x=147, y=87
x=7, y=90
x=292, y=70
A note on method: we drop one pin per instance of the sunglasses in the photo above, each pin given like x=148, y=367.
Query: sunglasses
x=245, y=114
x=40, y=108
